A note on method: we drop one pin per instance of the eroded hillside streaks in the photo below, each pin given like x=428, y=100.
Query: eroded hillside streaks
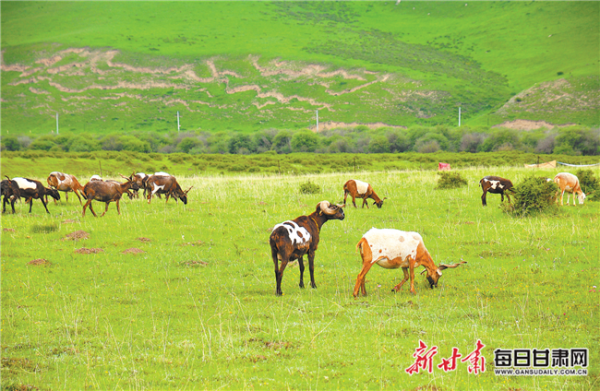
x=84, y=78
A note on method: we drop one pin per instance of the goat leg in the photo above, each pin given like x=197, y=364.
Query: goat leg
x=311, y=268
x=105, y=209
x=399, y=286
x=360, y=279
x=301, y=265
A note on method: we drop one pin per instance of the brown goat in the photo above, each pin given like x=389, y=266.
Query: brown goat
x=66, y=183
x=293, y=239
x=358, y=189
x=391, y=249
x=159, y=184
x=106, y=191
x=8, y=194
x=495, y=185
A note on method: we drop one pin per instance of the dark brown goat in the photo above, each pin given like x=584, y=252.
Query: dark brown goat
x=359, y=189
x=64, y=182
x=30, y=189
x=495, y=185
x=293, y=239
x=159, y=184
x=8, y=193
x=106, y=191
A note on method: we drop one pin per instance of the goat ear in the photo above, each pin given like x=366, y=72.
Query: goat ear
x=385, y=198
x=442, y=267
x=185, y=192
x=424, y=270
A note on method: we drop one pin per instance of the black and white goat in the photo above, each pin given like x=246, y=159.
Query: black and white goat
x=31, y=189
x=495, y=185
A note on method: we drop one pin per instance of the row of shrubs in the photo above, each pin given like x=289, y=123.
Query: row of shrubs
x=574, y=140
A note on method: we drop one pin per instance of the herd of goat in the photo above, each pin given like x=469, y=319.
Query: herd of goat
x=293, y=239
x=96, y=189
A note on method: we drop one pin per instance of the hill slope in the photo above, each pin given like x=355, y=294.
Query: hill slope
x=247, y=66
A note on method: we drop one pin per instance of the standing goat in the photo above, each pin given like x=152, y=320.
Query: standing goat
x=106, y=191
x=64, y=182
x=495, y=185
x=8, y=193
x=293, y=239
x=391, y=249
x=160, y=184
x=30, y=189
x=358, y=189
x=569, y=183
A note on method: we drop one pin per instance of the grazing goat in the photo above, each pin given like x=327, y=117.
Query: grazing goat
x=106, y=191
x=160, y=184
x=391, y=249
x=31, y=189
x=293, y=239
x=569, y=183
x=495, y=185
x=358, y=189
x=66, y=183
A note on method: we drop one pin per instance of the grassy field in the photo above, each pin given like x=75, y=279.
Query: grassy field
x=250, y=66
x=196, y=309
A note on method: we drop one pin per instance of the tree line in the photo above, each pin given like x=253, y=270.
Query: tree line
x=573, y=140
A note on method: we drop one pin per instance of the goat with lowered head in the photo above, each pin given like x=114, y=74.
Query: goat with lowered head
x=165, y=184
x=293, y=239
x=359, y=189
x=391, y=249
x=106, y=191
x=569, y=183
x=30, y=189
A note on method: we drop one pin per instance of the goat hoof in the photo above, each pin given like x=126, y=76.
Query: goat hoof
x=301, y=285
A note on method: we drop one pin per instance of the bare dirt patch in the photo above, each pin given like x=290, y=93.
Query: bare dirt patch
x=337, y=125
x=133, y=251
x=69, y=221
x=77, y=235
x=144, y=240
x=85, y=250
x=40, y=262
x=523, y=124
x=8, y=229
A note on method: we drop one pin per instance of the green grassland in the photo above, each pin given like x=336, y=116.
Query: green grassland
x=256, y=65
x=197, y=309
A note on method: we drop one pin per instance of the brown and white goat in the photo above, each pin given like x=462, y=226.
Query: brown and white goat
x=569, y=183
x=106, y=191
x=66, y=183
x=160, y=184
x=30, y=189
x=293, y=239
x=140, y=179
x=495, y=185
x=359, y=189
x=391, y=249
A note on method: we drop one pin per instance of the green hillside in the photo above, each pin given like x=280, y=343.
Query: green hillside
x=116, y=66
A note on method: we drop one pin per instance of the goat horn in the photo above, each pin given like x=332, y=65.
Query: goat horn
x=442, y=267
x=123, y=176
x=7, y=177
x=326, y=208
x=185, y=192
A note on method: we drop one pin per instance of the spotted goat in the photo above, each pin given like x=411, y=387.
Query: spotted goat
x=393, y=249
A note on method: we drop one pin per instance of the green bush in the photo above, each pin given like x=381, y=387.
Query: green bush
x=450, y=180
x=589, y=184
x=309, y=188
x=532, y=196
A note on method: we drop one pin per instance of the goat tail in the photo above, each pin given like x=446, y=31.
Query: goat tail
x=359, y=244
